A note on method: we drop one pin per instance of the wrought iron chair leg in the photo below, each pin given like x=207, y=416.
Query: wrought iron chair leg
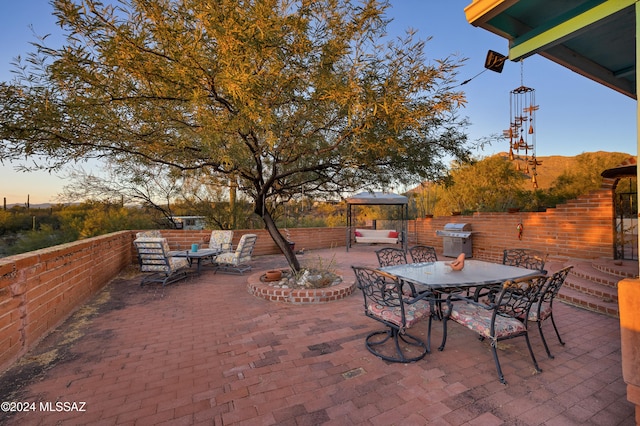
x=533, y=357
x=556, y=329
x=494, y=351
x=544, y=341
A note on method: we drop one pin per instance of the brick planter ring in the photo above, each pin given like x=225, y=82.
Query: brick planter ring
x=305, y=296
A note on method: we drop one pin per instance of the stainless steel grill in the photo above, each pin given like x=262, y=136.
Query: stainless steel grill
x=456, y=239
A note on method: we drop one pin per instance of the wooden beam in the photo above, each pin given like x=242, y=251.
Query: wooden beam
x=555, y=33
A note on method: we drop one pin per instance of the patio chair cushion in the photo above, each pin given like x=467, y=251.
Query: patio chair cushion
x=153, y=233
x=545, y=312
x=478, y=319
x=413, y=313
x=221, y=240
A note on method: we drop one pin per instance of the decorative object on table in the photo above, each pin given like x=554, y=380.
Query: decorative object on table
x=503, y=319
x=194, y=247
x=384, y=302
x=521, y=131
x=153, y=256
x=543, y=309
x=237, y=261
x=458, y=264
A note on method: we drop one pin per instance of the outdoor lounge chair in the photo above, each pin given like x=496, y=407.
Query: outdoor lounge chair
x=504, y=318
x=237, y=261
x=385, y=302
x=153, y=257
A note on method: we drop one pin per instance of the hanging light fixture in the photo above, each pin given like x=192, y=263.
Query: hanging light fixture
x=522, y=132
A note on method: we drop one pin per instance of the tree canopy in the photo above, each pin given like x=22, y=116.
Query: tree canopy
x=280, y=97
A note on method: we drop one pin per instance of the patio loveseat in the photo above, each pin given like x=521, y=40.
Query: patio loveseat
x=372, y=236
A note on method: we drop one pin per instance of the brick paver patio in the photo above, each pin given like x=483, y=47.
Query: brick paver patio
x=204, y=351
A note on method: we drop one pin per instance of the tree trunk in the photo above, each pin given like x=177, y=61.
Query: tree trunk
x=280, y=241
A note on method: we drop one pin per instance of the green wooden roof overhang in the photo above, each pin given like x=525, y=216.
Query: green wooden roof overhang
x=594, y=38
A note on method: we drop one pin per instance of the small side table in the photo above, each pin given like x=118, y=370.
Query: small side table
x=198, y=255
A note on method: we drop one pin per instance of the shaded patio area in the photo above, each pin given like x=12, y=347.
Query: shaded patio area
x=205, y=351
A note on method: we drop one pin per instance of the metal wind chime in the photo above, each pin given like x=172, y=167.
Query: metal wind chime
x=521, y=132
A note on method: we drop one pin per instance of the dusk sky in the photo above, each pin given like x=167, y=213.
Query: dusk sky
x=576, y=115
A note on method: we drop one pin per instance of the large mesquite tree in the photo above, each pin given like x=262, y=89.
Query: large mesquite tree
x=280, y=96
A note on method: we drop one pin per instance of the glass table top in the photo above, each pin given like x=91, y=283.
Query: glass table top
x=475, y=273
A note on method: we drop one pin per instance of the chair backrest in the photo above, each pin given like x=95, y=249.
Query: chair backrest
x=153, y=254
x=380, y=290
x=390, y=256
x=153, y=233
x=524, y=258
x=245, y=248
x=517, y=296
x=221, y=240
x=553, y=284
x=420, y=254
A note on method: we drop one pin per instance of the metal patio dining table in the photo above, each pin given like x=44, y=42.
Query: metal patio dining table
x=439, y=276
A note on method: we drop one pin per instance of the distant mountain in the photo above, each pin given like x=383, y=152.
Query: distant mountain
x=555, y=165
x=37, y=206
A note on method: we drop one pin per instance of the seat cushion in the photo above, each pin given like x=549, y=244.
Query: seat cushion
x=545, y=312
x=478, y=319
x=227, y=258
x=178, y=263
x=413, y=313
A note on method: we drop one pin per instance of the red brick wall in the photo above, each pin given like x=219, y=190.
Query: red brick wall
x=40, y=289
x=305, y=238
x=580, y=229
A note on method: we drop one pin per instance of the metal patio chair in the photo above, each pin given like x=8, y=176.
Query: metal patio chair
x=221, y=240
x=421, y=254
x=390, y=256
x=237, y=261
x=505, y=318
x=543, y=308
x=525, y=258
x=153, y=257
x=385, y=302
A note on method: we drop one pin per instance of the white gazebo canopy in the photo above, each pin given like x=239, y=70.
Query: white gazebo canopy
x=378, y=198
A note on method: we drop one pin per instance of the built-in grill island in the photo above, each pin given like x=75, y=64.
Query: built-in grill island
x=456, y=239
